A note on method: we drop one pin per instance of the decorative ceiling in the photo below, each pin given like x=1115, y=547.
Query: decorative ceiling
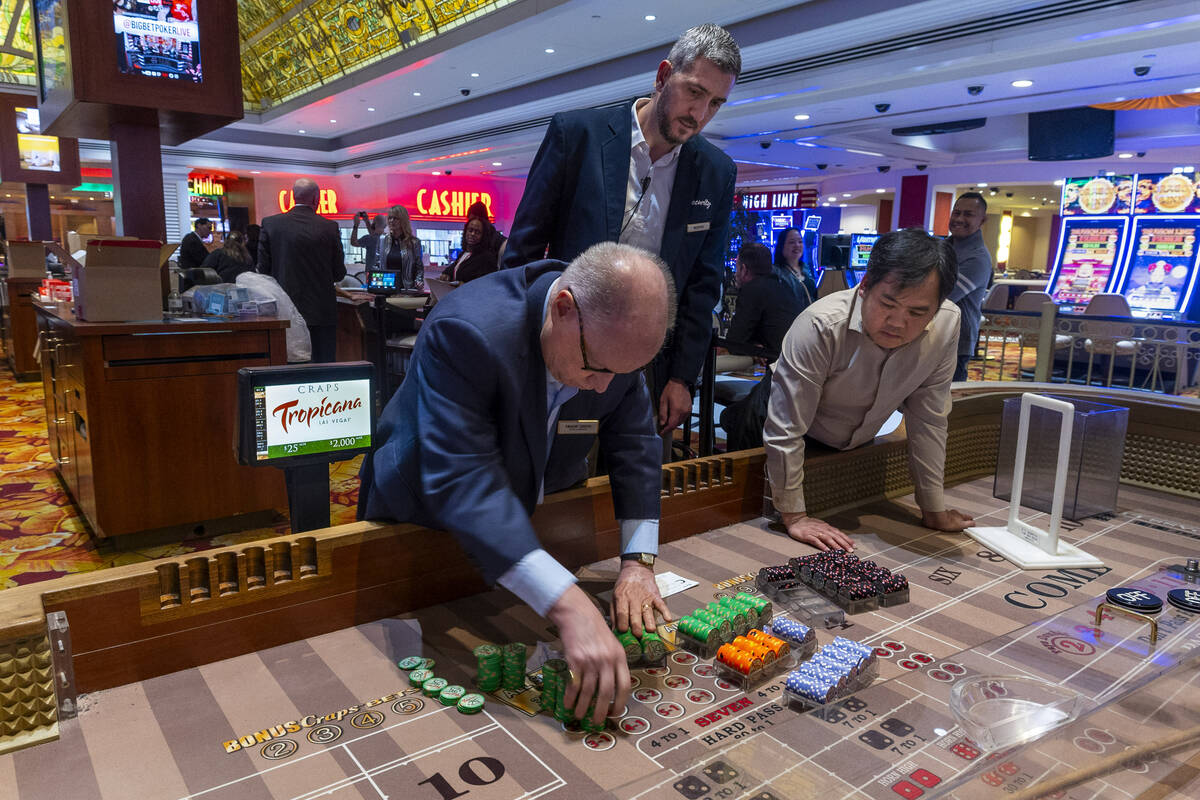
x=290, y=47
x=17, y=60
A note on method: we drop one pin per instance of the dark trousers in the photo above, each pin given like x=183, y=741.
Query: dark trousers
x=960, y=371
x=324, y=343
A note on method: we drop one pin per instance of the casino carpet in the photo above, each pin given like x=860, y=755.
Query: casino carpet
x=43, y=535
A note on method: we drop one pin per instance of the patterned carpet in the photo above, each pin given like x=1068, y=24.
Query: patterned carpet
x=42, y=534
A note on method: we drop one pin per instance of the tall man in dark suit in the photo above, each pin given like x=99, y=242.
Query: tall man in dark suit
x=515, y=375
x=192, y=251
x=642, y=176
x=303, y=251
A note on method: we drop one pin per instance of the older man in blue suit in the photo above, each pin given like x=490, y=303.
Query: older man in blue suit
x=640, y=175
x=507, y=371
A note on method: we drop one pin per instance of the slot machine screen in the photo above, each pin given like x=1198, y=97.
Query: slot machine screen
x=1089, y=250
x=860, y=249
x=1162, y=266
x=294, y=414
x=158, y=39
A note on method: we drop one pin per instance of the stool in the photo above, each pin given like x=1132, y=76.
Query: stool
x=398, y=351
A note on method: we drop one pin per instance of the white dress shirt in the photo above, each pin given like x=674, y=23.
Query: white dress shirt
x=642, y=223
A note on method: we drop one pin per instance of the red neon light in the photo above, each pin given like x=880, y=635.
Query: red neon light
x=95, y=172
x=452, y=155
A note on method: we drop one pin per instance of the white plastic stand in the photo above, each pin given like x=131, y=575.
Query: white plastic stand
x=1021, y=543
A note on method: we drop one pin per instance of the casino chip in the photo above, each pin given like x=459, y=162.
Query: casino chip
x=1185, y=599
x=471, y=703
x=1138, y=600
x=414, y=662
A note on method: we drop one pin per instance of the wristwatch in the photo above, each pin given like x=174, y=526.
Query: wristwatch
x=645, y=559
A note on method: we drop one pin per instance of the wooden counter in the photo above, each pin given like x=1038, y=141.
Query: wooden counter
x=20, y=326
x=140, y=419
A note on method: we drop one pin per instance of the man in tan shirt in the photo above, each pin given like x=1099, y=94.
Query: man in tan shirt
x=851, y=360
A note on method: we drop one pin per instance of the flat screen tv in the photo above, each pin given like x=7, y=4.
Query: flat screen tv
x=1071, y=134
x=158, y=39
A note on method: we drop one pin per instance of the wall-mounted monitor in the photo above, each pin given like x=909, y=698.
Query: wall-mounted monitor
x=158, y=39
x=27, y=154
x=304, y=413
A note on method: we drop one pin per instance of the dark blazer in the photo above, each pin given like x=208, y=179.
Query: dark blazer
x=226, y=265
x=476, y=265
x=191, y=252
x=462, y=443
x=303, y=251
x=765, y=309
x=575, y=197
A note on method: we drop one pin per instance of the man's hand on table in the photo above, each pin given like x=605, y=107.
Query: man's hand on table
x=674, y=406
x=950, y=520
x=818, y=533
x=636, y=599
x=596, y=658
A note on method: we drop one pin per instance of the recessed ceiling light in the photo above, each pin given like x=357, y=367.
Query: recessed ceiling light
x=416, y=94
x=52, y=197
x=436, y=172
x=496, y=164
x=1059, y=182
x=1022, y=84
x=1124, y=155
x=303, y=131
x=845, y=194
x=474, y=74
x=825, y=204
x=982, y=184
x=1110, y=173
x=256, y=172
x=1191, y=89
x=650, y=18
x=832, y=199
x=333, y=122
x=880, y=191
x=370, y=108
x=1189, y=170
x=841, y=205
x=549, y=49
x=801, y=117
x=1177, y=170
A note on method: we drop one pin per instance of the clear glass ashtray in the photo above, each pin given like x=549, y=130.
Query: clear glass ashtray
x=999, y=711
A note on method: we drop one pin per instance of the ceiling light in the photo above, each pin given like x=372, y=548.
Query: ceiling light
x=801, y=117
x=845, y=194
x=1059, y=182
x=370, y=108
x=1124, y=155
x=1022, y=84
x=52, y=197
x=1189, y=170
x=1110, y=173
x=1191, y=90
x=256, y=172
x=982, y=184
x=825, y=204
x=841, y=205
x=650, y=18
x=333, y=122
x=474, y=74
x=832, y=199
x=303, y=131
x=436, y=172
x=416, y=94
x=1026, y=214
x=880, y=191
x=549, y=49
x=496, y=163
x=1177, y=170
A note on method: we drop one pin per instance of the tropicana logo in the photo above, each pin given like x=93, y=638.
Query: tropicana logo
x=288, y=413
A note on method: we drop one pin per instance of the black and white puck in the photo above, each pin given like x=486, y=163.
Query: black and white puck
x=1186, y=599
x=1138, y=600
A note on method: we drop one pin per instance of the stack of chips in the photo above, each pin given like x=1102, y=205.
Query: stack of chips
x=471, y=703
x=760, y=604
x=632, y=647
x=779, y=578
x=702, y=631
x=749, y=609
x=743, y=661
x=555, y=676
x=451, y=695
x=844, y=577
x=830, y=671
x=490, y=672
x=513, y=669
x=434, y=686
x=418, y=677
x=653, y=647
x=776, y=645
x=737, y=618
x=789, y=630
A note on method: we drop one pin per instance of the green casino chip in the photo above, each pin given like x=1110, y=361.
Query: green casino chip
x=471, y=703
x=418, y=676
x=451, y=695
x=411, y=663
x=653, y=647
x=433, y=687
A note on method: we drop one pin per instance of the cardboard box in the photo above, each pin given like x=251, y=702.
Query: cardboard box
x=121, y=281
x=26, y=259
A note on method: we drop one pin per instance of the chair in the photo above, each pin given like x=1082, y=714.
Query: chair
x=197, y=276
x=997, y=298
x=400, y=348
x=1106, y=337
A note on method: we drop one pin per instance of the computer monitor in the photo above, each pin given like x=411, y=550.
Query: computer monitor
x=296, y=414
x=382, y=281
x=834, y=251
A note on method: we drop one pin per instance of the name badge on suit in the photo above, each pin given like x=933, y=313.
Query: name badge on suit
x=578, y=427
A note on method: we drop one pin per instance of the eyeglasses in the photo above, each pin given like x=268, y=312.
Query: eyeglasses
x=582, y=344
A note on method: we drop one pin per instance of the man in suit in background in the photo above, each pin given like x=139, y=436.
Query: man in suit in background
x=514, y=376
x=192, y=251
x=303, y=251
x=641, y=176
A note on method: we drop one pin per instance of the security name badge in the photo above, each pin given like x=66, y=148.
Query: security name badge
x=578, y=427
x=695, y=227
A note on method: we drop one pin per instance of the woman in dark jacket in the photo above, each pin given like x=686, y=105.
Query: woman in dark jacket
x=789, y=265
x=231, y=259
x=400, y=251
x=478, y=258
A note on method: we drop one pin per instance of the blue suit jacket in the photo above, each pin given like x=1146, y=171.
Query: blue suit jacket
x=575, y=197
x=463, y=441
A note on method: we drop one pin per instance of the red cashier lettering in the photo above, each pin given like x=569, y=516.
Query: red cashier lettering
x=723, y=711
x=288, y=413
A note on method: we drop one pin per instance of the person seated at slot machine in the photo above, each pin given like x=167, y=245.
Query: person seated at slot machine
x=231, y=259
x=399, y=250
x=514, y=377
x=477, y=258
x=852, y=359
x=766, y=307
